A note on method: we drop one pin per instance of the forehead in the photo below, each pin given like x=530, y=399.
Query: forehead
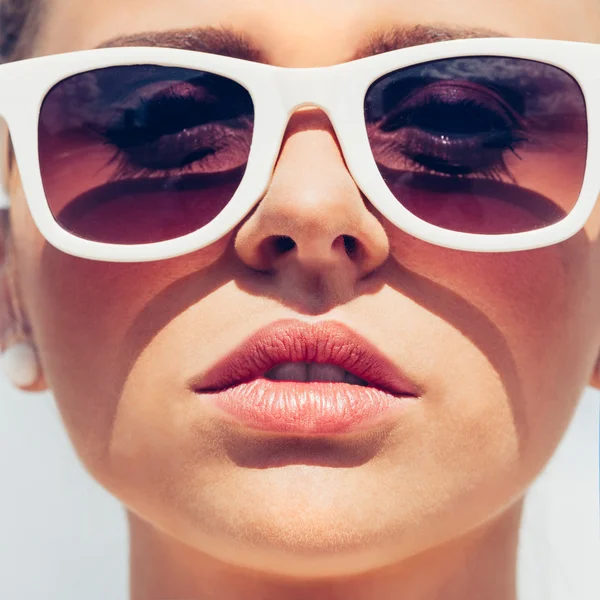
x=313, y=32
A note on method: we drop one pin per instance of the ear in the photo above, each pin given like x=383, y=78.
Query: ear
x=4, y=217
x=10, y=302
x=595, y=378
x=14, y=328
x=5, y=300
x=4, y=165
x=6, y=317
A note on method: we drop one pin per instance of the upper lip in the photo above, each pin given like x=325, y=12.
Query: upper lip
x=324, y=342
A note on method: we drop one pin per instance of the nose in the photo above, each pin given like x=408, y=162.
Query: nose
x=313, y=217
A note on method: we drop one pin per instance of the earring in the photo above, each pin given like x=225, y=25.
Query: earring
x=20, y=365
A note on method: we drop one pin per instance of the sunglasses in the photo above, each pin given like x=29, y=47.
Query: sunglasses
x=141, y=154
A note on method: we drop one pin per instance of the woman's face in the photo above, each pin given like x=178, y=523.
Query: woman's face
x=502, y=345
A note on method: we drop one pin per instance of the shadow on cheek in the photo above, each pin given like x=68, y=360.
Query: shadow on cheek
x=94, y=319
x=499, y=302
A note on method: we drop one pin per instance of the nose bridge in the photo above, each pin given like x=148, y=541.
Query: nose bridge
x=308, y=87
x=313, y=217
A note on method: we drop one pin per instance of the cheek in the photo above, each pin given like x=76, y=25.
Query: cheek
x=93, y=320
x=531, y=316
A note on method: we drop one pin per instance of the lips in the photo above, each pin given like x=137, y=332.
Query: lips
x=324, y=343
x=304, y=379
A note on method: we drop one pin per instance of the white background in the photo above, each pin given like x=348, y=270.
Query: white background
x=62, y=537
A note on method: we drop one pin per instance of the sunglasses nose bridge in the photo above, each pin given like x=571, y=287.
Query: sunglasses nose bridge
x=316, y=87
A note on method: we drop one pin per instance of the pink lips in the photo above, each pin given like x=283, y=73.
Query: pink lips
x=237, y=385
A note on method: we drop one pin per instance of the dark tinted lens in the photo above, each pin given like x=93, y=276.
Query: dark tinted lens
x=480, y=144
x=142, y=154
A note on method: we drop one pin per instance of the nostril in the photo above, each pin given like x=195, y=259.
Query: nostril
x=350, y=244
x=283, y=244
x=276, y=246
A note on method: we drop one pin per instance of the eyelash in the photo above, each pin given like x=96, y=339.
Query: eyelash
x=182, y=127
x=510, y=131
x=161, y=129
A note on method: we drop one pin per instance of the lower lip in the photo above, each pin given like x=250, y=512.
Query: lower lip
x=306, y=408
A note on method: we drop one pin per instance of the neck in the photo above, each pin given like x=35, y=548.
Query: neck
x=481, y=564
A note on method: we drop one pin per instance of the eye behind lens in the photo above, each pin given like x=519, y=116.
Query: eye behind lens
x=143, y=153
x=457, y=124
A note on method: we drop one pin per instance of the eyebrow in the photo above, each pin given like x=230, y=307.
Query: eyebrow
x=230, y=42
x=395, y=38
x=224, y=41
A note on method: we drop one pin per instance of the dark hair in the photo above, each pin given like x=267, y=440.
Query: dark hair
x=19, y=20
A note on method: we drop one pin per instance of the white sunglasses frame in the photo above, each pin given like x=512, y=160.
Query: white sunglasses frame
x=277, y=92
